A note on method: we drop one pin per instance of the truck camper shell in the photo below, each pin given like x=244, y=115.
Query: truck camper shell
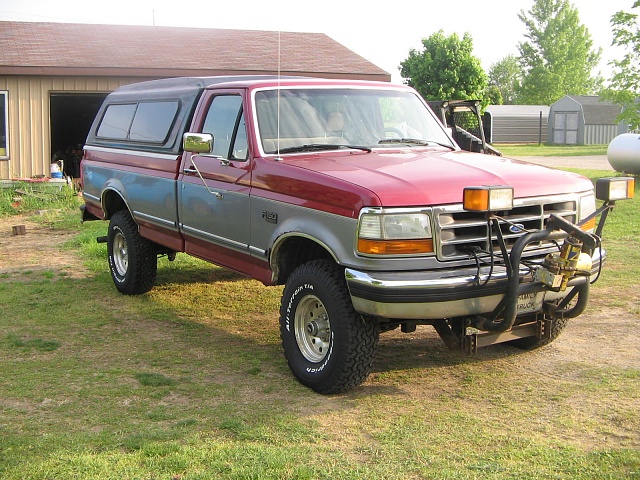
x=183, y=92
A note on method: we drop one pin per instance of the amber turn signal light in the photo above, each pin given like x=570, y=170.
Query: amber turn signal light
x=615, y=188
x=487, y=198
x=395, y=247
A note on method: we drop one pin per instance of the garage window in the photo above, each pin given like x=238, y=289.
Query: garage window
x=147, y=122
x=4, y=131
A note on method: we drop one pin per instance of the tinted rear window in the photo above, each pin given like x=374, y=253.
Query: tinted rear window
x=116, y=121
x=147, y=122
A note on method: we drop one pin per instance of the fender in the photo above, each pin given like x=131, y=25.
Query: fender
x=333, y=233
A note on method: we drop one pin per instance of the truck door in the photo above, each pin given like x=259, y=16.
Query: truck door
x=214, y=188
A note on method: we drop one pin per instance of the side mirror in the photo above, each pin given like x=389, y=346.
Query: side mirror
x=197, y=142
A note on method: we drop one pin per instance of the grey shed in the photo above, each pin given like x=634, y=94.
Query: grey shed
x=583, y=120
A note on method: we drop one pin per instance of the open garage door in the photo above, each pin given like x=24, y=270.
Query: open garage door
x=71, y=117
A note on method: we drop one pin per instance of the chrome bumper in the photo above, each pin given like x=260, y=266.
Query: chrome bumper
x=427, y=295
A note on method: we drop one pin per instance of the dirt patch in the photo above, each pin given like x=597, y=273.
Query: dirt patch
x=38, y=252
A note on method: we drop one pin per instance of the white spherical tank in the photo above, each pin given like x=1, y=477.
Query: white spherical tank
x=624, y=153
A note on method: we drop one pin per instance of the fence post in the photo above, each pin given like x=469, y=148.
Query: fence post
x=540, y=130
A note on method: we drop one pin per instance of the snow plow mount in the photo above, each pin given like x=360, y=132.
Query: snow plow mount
x=474, y=338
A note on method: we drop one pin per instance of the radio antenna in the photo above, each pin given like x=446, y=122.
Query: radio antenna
x=278, y=114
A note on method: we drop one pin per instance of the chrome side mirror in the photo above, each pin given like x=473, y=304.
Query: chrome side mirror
x=197, y=142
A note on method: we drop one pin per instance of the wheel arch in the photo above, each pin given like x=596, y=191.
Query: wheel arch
x=293, y=249
x=113, y=201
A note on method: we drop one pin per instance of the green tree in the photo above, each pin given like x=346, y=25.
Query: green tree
x=445, y=69
x=505, y=75
x=624, y=86
x=558, y=57
x=494, y=95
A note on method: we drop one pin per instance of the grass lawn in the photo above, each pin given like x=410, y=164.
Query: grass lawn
x=189, y=382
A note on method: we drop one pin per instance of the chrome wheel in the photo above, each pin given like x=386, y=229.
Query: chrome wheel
x=312, y=329
x=120, y=253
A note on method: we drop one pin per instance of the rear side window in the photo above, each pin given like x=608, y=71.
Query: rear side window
x=147, y=122
x=152, y=121
x=117, y=121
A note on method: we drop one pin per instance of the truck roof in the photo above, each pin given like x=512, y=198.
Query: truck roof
x=179, y=87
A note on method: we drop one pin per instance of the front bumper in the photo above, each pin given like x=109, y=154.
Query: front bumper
x=430, y=295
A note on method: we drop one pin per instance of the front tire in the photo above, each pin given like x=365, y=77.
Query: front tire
x=132, y=259
x=329, y=347
x=531, y=343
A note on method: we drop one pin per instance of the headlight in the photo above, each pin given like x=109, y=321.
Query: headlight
x=587, y=207
x=383, y=232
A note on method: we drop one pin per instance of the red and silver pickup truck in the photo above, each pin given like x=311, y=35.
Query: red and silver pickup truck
x=353, y=196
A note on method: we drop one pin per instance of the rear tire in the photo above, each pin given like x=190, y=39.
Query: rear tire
x=329, y=347
x=132, y=259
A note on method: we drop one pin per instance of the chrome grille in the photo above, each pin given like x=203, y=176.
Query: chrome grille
x=459, y=232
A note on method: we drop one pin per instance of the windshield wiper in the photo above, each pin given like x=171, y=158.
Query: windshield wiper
x=315, y=147
x=414, y=141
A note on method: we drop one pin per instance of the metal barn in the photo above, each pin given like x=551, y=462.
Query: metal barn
x=519, y=123
x=583, y=120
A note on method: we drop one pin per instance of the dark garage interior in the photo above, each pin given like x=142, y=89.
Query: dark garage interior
x=71, y=117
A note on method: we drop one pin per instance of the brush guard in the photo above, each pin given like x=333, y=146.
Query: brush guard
x=559, y=271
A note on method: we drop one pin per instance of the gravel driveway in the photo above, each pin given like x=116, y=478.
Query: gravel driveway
x=594, y=162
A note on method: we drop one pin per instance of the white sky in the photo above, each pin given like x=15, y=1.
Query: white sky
x=383, y=32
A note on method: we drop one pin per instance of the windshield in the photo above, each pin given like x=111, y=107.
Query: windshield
x=307, y=119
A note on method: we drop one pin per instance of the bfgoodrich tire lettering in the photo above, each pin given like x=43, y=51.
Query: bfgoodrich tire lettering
x=328, y=346
x=132, y=259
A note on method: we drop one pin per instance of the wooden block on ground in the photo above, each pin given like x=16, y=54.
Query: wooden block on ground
x=19, y=230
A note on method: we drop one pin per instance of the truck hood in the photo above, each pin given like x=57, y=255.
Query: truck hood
x=428, y=177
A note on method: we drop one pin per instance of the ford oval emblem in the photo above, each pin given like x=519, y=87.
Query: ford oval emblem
x=516, y=228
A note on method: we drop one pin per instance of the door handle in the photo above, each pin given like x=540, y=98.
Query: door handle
x=190, y=171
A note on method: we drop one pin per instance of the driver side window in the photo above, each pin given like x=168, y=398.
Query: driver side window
x=225, y=121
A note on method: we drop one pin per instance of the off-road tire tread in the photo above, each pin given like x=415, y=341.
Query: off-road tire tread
x=143, y=260
x=362, y=335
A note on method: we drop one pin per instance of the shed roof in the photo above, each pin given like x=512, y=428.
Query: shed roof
x=596, y=110
x=34, y=48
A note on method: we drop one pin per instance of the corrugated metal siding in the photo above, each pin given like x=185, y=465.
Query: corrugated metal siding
x=518, y=129
x=29, y=117
x=599, y=134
